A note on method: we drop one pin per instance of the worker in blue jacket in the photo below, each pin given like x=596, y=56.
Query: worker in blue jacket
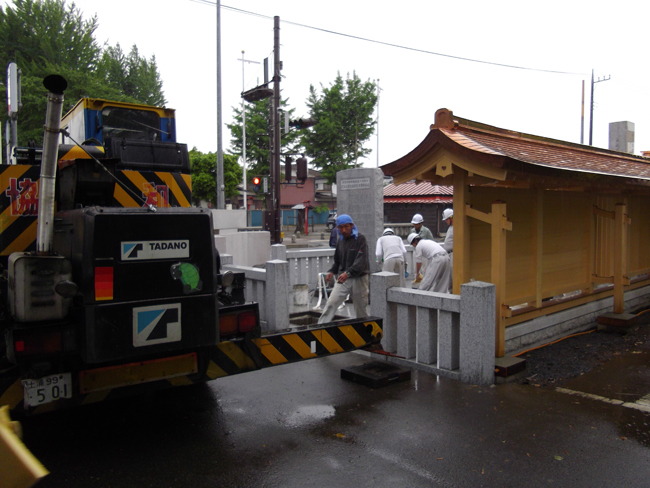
x=351, y=268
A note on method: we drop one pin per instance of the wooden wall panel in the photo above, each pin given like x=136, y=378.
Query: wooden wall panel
x=639, y=235
x=520, y=251
x=566, y=242
x=603, y=264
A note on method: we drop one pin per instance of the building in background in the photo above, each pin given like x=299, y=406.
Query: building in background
x=403, y=201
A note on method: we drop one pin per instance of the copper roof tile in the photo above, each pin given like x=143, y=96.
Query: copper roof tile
x=551, y=153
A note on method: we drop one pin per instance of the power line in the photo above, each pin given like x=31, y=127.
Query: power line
x=389, y=44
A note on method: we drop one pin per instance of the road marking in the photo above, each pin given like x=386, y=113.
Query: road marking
x=642, y=404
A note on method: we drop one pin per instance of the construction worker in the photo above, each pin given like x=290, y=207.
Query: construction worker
x=418, y=228
x=437, y=276
x=351, y=267
x=390, y=249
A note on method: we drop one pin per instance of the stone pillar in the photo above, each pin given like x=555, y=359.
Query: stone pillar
x=379, y=307
x=279, y=252
x=360, y=194
x=276, y=295
x=477, y=332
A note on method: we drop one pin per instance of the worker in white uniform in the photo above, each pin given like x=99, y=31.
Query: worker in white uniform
x=437, y=276
x=390, y=249
x=448, y=245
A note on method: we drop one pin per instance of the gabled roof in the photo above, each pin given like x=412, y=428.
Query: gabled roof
x=503, y=155
x=413, y=188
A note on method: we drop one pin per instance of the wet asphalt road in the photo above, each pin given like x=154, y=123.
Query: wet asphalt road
x=300, y=425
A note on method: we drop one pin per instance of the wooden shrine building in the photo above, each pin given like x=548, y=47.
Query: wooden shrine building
x=554, y=225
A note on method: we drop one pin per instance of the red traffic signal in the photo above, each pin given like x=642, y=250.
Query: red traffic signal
x=257, y=181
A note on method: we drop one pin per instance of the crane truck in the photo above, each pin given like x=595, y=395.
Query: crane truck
x=111, y=284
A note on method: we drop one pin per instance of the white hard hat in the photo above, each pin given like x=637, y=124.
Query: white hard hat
x=412, y=236
x=388, y=231
x=417, y=219
x=448, y=213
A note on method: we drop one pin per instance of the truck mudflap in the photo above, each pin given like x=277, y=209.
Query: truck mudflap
x=225, y=359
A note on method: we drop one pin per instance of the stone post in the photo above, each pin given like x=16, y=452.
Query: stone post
x=477, y=332
x=276, y=295
x=379, y=307
x=279, y=252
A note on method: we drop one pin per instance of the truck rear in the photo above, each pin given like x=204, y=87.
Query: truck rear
x=120, y=290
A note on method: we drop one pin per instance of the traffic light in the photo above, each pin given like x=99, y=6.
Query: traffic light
x=301, y=169
x=257, y=181
x=287, y=168
x=302, y=123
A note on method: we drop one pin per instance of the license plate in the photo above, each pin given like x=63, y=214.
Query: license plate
x=47, y=389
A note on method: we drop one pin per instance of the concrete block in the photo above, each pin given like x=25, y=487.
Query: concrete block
x=228, y=219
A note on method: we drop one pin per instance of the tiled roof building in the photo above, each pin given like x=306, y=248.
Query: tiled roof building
x=539, y=218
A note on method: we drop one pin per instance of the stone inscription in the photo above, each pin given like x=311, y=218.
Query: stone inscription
x=355, y=184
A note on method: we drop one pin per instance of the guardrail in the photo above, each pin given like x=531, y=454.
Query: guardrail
x=440, y=333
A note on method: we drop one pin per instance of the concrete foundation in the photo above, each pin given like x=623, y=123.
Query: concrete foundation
x=548, y=328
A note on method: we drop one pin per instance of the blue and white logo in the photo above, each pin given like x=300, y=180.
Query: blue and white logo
x=156, y=324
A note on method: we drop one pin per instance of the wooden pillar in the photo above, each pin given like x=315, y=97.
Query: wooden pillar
x=460, y=255
x=498, y=270
x=620, y=256
x=539, y=245
x=499, y=225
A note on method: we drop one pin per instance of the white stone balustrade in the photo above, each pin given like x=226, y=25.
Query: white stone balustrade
x=444, y=334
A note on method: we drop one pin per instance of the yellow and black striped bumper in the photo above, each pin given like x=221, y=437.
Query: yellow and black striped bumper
x=273, y=350
x=225, y=359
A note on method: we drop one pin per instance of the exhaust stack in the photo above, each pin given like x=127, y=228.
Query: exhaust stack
x=55, y=85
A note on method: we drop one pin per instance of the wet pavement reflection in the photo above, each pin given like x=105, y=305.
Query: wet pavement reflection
x=301, y=425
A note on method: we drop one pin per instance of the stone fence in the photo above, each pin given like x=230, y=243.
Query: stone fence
x=440, y=333
x=444, y=334
x=306, y=265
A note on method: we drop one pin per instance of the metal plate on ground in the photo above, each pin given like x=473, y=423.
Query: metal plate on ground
x=376, y=374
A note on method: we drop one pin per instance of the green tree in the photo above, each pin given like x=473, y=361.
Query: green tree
x=51, y=36
x=132, y=75
x=344, y=114
x=204, y=176
x=258, y=136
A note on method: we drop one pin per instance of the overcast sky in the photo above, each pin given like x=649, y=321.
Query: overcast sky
x=557, y=42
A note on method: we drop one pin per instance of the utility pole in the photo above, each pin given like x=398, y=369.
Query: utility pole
x=275, y=162
x=243, y=115
x=591, y=113
x=378, y=94
x=221, y=197
x=582, y=115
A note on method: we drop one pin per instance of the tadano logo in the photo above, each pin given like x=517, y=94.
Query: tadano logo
x=137, y=250
x=156, y=324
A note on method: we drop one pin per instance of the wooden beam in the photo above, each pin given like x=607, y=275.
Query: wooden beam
x=460, y=256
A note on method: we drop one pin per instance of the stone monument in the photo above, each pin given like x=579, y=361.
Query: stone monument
x=360, y=194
